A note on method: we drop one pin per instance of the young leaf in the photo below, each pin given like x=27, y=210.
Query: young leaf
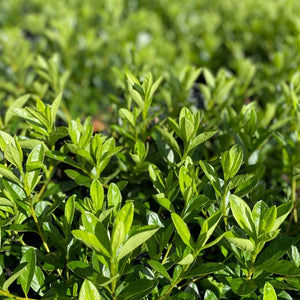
x=26, y=277
x=157, y=266
x=114, y=197
x=282, y=212
x=201, y=138
x=242, y=214
x=243, y=244
x=269, y=292
x=88, y=291
x=137, y=239
x=54, y=108
x=97, y=194
x=182, y=229
x=232, y=161
x=70, y=209
x=128, y=115
x=90, y=240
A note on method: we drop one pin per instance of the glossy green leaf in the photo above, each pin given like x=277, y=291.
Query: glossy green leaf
x=70, y=209
x=282, y=212
x=13, y=153
x=205, y=269
x=114, y=197
x=90, y=240
x=243, y=244
x=232, y=161
x=158, y=267
x=9, y=175
x=182, y=229
x=137, y=239
x=88, y=291
x=242, y=286
x=5, y=139
x=269, y=292
x=283, y=267
x=125, y=215
x=97, y=194
x=201, y=138
x=137, y=289
x=242, y=214
x=26, y=277
x=16, y=273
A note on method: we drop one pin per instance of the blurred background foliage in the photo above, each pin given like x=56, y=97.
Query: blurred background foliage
x=84, y=47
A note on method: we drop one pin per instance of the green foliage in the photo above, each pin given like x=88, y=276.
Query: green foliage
x=192, y=189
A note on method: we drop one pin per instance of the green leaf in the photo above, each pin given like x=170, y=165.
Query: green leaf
x=85, y=271
x=54, y=108
x=201, y=138
x=242, y=214
x=13, y=153
x=273, y=252
x=144, y=233
x=88, y=291
x=207, y=229
x=282, y=267
x=16, y=104
x=212, y=176
x=232, y=161
x=26, y=276
x=187, y=260
x=268, y=220
x=17, y=272
x=127, y=115
x=97, y=194
x=137, y=289
x=282, y=212
x=269, y=292
x=90, y=240
x=70, y=209
x=94, y=226
x=182, y=229
x=164, y=202
x=241, y=286
x=204, y=270
x=38, y=279
x=243, y=244
x=114, y=197
x=169, y=139
x=5, y=139
x=125, y=215
x=158, y=267
x=8, y=174
x=118, y=236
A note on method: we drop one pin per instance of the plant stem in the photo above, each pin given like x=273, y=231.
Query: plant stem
x=11, y=296
x=166, y=255
x=39, y=228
